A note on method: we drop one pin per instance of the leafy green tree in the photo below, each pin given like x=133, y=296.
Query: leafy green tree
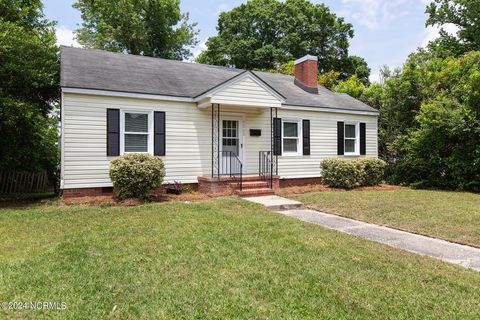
x=29, y=88
x=284, y=68
x=445, y=151
x=155, y=28
x=430, y=122
x=329, y=79
x=357, y=66
x=399, y=100
x=352, y=86
x=373, y=95
x=262, y=34
x=464, y=14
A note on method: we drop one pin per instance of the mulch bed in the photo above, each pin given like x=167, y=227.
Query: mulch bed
x=198, y=196
x=110, y=200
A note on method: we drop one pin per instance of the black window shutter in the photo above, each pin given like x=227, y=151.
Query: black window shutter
x=306, y=137
x=113, y=132
x=340, y=137
x=277, y=136
x=363, y=141
x=159, y=133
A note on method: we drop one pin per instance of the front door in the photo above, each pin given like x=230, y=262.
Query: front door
x=231, y=143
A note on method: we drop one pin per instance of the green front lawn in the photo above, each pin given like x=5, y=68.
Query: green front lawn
x=222, y=258
x=452, y=216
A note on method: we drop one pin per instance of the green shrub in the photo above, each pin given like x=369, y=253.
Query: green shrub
x=349, y=174
x=373, y=171
x=340, y=173
x=444, y=152
x=135, y=175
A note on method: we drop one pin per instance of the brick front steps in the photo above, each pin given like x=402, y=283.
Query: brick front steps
x=255, y=192
x=254, y=186
x=251, y=185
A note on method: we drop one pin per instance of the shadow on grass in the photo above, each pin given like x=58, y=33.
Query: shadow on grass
x=16, y=200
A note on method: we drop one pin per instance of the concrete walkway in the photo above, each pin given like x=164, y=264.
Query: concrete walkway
x=276, y=203
x=466, y=256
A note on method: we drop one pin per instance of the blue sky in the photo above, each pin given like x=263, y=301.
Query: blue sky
x=386, y=31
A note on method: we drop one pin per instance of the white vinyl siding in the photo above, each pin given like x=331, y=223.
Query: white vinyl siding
x=323, y=141
x=245, y=92
x=189, y=138
x=85, y=163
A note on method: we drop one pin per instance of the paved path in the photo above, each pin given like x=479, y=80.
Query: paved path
x=466, y=256
x=276, y=203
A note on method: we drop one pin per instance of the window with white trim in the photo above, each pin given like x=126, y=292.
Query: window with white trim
x=136, y=132
x=351, y=139
x=291, y=137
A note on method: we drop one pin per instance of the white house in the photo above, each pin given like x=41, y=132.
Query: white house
x=213, y=126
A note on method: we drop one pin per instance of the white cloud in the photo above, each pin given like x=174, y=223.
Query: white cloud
x=66, y=37
x=432, y=33
x=374, y=14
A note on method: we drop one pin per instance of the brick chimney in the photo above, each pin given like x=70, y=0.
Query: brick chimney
x=306, y=73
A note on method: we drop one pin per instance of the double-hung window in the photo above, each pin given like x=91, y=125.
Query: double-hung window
x=351, y=139
x=137, y=128
x=291, y=137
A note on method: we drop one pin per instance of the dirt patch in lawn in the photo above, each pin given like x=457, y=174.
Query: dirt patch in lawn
x=110, y=200
x=323, y=188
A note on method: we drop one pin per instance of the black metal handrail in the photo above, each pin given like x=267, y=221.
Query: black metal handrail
x=266, y=166
x=230, y=165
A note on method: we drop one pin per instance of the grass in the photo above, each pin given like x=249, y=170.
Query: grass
x=22, y=199
x=453, y=216
x=215, y=259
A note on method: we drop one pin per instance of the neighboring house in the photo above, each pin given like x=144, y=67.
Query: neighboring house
x=213, y=126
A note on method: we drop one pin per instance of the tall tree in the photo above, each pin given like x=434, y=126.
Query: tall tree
x=262, y=34
x=29, y=87
x=155, y=28
x=463, y=14
x=443, y=148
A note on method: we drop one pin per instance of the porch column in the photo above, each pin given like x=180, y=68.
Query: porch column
x=215, y=139
x=273, y=158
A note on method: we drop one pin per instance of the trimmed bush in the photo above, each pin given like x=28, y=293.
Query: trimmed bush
x=349, y=174
x=135, y=175
x=340, y=173
x=373, y=171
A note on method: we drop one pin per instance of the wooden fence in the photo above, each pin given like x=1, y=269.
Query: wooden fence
x=23, y=182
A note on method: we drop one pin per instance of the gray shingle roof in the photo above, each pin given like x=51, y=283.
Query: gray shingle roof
x=102, y=70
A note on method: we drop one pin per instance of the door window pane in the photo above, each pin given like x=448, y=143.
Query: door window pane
x=230, y=138
x=136, y=122
x=136, y=143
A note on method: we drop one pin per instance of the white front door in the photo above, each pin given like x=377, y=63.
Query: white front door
x=231, y=144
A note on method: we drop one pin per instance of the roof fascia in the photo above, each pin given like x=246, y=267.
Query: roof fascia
x=327, y=109
x=124, y=94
